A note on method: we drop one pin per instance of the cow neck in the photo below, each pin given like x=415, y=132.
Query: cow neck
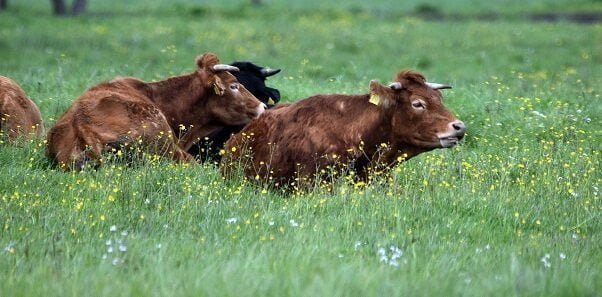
x=370, y=127
x=375, y=124
x=176, y=97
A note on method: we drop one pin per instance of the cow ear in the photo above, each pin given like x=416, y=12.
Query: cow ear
x=218, y=86
x=380, y=95
x=207, y=60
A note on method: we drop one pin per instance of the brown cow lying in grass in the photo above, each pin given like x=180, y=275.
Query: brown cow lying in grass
x=360, y=133
x=19, y=116
x=127, y=111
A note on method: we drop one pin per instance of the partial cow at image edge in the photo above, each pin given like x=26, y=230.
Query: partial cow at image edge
x=20, y=117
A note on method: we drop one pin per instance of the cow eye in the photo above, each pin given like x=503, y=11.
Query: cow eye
x=234, y=87
x=418, y=104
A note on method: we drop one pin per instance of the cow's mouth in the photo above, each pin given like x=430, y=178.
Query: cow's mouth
x=260, y=109
x=448, y=141
x=255, y=113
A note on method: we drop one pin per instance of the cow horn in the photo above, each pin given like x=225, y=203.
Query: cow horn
x=437, y=86
x=224, y=67
x=395, y=85
x=269, y=71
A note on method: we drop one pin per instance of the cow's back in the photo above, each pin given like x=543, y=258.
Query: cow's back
x=299, y=137
x=100, y=116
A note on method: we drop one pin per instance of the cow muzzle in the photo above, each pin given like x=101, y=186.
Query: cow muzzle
x=453, y=134
x=261, y=109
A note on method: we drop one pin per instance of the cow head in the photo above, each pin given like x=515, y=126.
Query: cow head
x=253, y=78
x=418, y=117
x=228, y=101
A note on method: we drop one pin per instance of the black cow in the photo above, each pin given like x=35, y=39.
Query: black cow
x=253, y=78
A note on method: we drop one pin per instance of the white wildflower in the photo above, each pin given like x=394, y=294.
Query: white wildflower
x=546, y=261
x=231, y=220
x=485, y=248
x=562, y=256
x=396, y=253
x=382, y=255
x=113, y=228
x=293, y=223
x=392, y=257
x=539, y=114
x=10, y=247
x=116, y=243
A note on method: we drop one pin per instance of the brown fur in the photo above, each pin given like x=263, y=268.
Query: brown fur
x=302, y=139
x=125, y=110
x=19, y=115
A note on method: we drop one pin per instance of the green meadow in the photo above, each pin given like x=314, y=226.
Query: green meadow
x=514, y=210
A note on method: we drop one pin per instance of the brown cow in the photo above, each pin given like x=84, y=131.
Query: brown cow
x=360, y=133
x=128, y=111
x=19, y=115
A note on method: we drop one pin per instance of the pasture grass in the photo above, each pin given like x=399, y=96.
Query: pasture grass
x=513, y=211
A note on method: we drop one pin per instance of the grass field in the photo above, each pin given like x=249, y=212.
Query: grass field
x=513, y=211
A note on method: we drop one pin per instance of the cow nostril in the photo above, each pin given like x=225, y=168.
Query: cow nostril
x=458, y=126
